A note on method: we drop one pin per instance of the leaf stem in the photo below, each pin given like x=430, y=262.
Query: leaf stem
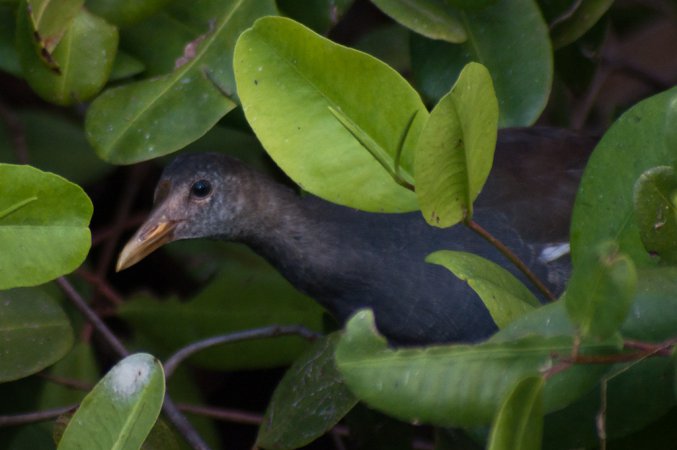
x=7, y=211
x=474, y=226
x=37, y=416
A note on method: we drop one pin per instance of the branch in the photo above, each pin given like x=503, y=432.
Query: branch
x=37, y=416
x=474, y=226
x=257, y=333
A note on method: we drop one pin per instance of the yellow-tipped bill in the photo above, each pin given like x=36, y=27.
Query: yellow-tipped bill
x=151, y=236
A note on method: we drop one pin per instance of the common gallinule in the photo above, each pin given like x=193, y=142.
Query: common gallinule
x=348, y=259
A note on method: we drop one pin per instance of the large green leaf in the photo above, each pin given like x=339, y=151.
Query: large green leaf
x=505, y=296
x=308, y=402
x=51, y=19
x=121, y=409
x=43, y=226
x=34, y=332
x=655, y=203
x=455, y=385
x=601, y=290
x=326, y=113
x=511, y=39
x=154, y=117
x=456, y=148
x=519, y=422
x=241, y=297
x=434, y=19
x=604, y=208
x=81, y=62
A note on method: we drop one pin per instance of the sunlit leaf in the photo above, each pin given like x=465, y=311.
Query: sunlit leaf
x=34, y=332
x=519, y=422
x=456, y=148
x=321, y=110
x=82, y=60
x=121, y=409
x=154, y=117
x=505, y=296
x=520, y=61
x=43, y=226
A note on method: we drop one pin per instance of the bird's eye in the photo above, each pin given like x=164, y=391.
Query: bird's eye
x=201, y=188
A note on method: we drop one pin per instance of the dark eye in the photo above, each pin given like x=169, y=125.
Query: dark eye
x=201, y=188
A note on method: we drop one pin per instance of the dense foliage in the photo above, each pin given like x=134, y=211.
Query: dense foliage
x=386, y=106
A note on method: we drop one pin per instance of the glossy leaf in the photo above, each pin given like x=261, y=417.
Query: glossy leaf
x=454, y=385
x=321, y=110
x=601, y=290
x=55, y=144
x=655, y=202
x=43, y=226
x=308, y=402
x=434, y=19
x=320, y=15
x=51, y=19
x=81, y=62
x=154, y=117
x=574, y=25
x=34, y=332
x=241, y=297
x=121, y=409
x=604, y=208
x=519, y=422
x=505, y=296
x=520, y=62
x=456, y=148
x=125, y=12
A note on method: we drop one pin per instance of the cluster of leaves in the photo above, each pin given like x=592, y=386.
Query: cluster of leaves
x=162, y=75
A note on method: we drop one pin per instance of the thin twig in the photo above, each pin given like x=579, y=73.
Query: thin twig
x=183, y=425
x=37, y=416
x=108, y=233
x=474, y=226
x=173, y=414
x=67, y=382
x=102, y=286
x=92, y=317
x=226, y=415
x=257, y=333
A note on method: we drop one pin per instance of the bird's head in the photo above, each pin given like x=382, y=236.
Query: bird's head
x=198, y=195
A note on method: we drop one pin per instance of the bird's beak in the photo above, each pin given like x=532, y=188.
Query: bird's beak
x=153, y=234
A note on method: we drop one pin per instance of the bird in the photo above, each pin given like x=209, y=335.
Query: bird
x=347, y=259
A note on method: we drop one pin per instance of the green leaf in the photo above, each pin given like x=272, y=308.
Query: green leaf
x=520, y=61
x=50, y=19
x=34, y=332
x=290, y=80
x=564, y=32
x=456, y=148
x=81, y=62
x=434, y=19
x=125, y=66
x=655, y=198
x=455, y=385
x=158, y=116
x=55, y=144
x=604, y=205
x=505, y=296
x=43, y=226
x=121, y=409
x=310, y=399
x=519, y=422
x=241, y=297
x=125, y=12
x=9, y=59
x=601, y=291
x=320, y=15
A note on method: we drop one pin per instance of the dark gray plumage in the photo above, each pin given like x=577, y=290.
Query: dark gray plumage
x=344, y=258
